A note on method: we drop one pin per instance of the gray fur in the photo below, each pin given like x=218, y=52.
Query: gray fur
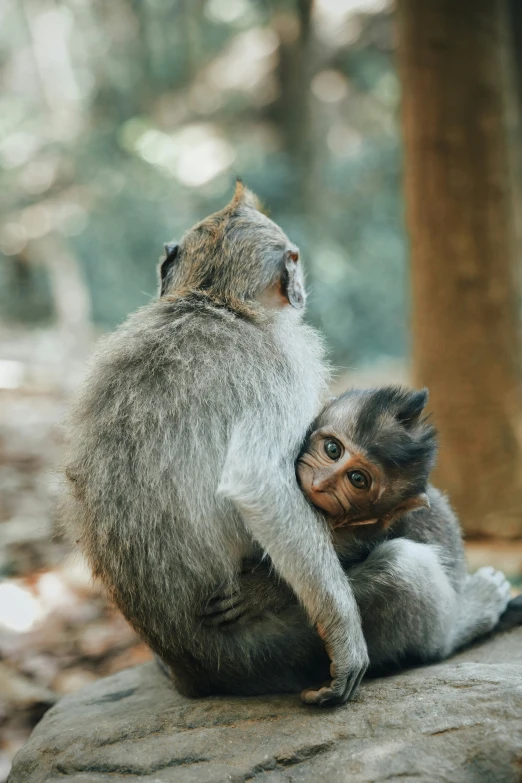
x=182, y=490
x=181, y=467
x=415, y=599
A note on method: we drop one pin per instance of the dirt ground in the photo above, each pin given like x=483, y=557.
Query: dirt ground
x=57, y=630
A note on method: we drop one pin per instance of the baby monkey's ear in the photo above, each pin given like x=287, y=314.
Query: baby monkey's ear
x=410, y=504
x=411, y=407
x=167, y=265
x=419, y=501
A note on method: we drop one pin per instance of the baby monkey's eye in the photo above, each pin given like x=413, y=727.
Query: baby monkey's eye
x=358, y=479
x=332, y=449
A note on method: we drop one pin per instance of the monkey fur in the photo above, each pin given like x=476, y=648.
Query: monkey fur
x=368, y=458
x=182, y=492
x=180, y=469
x=365, y=466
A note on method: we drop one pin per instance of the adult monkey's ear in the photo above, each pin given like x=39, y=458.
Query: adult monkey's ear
x=292, y=283
x=167, y=265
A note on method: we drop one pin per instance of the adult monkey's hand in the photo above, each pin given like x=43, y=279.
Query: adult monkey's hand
x=344, y=687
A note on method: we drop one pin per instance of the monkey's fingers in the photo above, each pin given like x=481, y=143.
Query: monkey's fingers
x=333, y=693
x=224, y=594
x=345, y=678
x=222, y=603
x=227, y=613
x=329, y=695
x=311, y=695
x=321, y=696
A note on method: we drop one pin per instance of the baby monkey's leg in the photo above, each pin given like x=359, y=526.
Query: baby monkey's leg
x=484, y=598
x=407, y=603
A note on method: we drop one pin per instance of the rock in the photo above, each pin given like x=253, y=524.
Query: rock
x=459, y=721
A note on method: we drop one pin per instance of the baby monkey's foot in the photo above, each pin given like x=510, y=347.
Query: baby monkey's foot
x=493, y=590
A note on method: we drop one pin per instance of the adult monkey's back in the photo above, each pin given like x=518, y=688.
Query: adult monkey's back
x=181, y=465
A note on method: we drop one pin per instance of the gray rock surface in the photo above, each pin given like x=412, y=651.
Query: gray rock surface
x=458, y=721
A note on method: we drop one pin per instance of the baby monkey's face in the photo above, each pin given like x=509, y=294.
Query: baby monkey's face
x=338, y=479
x=369, y=458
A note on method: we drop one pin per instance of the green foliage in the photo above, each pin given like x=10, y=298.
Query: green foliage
x=125, y=122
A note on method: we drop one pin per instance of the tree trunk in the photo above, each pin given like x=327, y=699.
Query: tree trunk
x=466, y=341
x=291, y=111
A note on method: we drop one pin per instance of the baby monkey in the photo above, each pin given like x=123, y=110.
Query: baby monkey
x=365, y=467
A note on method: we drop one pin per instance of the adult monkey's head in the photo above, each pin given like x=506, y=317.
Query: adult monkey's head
x=237, y=257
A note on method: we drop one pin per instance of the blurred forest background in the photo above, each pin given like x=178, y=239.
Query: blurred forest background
x=124, y=122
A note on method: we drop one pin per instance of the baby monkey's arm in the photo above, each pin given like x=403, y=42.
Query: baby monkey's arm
x=258, y=590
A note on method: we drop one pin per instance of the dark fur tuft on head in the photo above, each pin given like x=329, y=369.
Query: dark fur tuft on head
x=388, y=424
x=410, y=405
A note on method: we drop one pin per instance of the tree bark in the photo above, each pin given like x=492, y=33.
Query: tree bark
x=292, y=110
x=466, y=340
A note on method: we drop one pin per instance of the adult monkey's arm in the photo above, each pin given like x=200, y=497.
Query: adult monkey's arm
x=264, y=489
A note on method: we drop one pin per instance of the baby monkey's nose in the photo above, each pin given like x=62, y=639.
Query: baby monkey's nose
x=320, y=484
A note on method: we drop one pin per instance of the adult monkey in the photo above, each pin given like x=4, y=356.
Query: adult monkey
x=181, y=466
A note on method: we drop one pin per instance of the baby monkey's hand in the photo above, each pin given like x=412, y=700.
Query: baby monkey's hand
x=256, y=592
